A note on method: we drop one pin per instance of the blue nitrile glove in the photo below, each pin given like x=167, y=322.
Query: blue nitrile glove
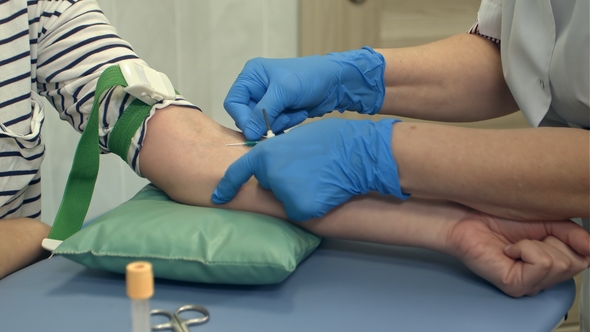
x=291, y=90
x=318, y=166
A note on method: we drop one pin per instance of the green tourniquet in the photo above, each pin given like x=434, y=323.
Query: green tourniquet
x=191, y=243
x=82, y=177
x=126, y=127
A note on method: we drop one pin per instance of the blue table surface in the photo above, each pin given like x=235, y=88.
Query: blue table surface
x=342, y=286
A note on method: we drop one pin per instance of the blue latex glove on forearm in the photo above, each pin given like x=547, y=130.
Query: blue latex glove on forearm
x=318, y=166
x=291, y=90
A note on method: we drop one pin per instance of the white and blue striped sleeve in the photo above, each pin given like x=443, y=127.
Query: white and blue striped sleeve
x=75, y=43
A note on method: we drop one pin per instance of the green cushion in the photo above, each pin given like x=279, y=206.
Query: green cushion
x=191, y=243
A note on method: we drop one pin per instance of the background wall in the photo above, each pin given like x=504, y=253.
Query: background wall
x=202, y=46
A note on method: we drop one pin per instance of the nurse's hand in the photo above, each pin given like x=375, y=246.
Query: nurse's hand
x=521, y=257
x=291, y=90
x=318, y=166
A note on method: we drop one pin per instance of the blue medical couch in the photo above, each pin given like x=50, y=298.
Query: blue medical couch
x=342, y=286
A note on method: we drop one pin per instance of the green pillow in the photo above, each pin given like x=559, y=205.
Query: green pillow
x=191, y=243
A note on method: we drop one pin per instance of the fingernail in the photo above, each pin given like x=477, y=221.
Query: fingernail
x=508, y=247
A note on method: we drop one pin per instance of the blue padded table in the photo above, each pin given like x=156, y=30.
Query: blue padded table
x=342, y=286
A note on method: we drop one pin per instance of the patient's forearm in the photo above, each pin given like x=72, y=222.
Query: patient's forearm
x=191, y=146
x=184, y=154
x=381, y=219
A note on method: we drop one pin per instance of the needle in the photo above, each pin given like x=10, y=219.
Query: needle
x=269, y=132
x=246, y=143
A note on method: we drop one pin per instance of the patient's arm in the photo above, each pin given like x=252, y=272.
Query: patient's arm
x=20, y=243
x=184, y=154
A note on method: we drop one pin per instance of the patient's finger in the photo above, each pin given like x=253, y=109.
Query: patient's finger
x=566, y=262
x=571, y=234
x=544, y=264
x=534, y=265
x=558, y=270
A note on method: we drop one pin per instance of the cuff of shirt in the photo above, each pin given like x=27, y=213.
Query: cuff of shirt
x=133, y=159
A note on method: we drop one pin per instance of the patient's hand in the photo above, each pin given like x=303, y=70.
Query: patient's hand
x=520, y=258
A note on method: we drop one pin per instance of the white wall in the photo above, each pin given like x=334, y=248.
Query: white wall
x=201, y=45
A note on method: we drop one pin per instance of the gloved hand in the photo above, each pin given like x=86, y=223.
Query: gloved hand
x=291, y=90
x=318, y=166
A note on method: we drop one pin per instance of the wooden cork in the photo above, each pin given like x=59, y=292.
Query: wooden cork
x=140, y=280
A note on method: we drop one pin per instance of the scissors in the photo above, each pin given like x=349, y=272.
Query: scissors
x=177, y=323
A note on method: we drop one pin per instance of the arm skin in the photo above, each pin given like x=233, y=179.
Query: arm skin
x=20, y=243
x=457, y=79
x=525, y=174
x=184, y=154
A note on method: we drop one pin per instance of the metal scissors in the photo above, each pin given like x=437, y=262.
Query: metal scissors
x=177, y=323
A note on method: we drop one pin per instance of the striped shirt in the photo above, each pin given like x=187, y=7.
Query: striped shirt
x=56, y=50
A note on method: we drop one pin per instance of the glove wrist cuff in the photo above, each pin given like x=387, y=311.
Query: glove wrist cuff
x=385, y=176
x=362, y=83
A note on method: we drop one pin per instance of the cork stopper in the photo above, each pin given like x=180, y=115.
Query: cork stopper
x=140, y=280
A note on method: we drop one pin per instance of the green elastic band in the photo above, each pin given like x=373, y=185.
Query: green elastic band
x=80, y=185
x=126, y=127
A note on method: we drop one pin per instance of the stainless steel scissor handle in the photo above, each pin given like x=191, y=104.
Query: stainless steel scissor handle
x=178, y=324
